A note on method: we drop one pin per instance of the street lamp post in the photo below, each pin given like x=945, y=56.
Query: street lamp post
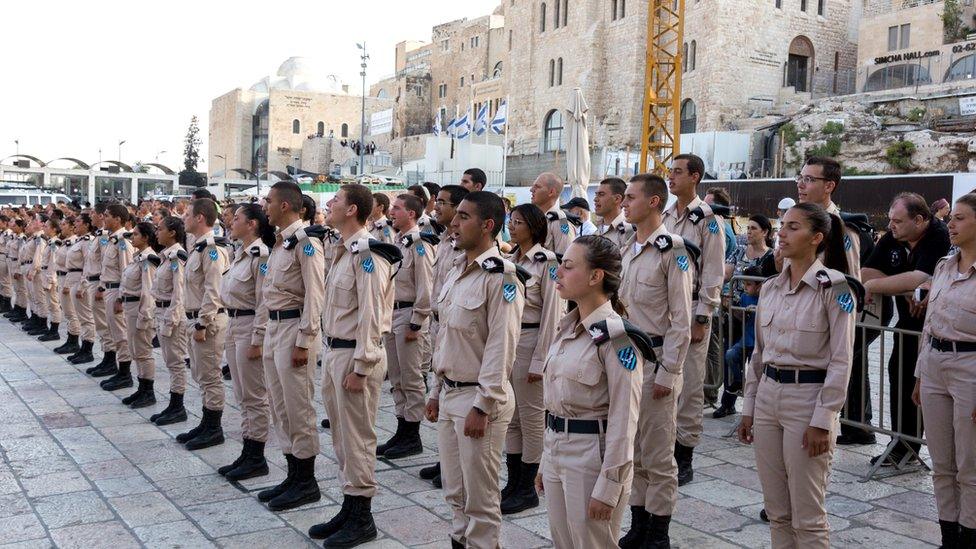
x=122, y=142
x=17, y=145
x=362, y=123
x=224, y=158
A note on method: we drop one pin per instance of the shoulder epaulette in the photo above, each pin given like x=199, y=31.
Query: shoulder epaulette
x=127, y=235
x=624, y=336
x=701, y=212
x=857, y=221
x=85, y=238
x=154, y=259
x=545, y=255
x=723, y=211
x=258, y=250
x=848, y=290
x=625, y=228
x=312, y=231
x=182, y=255
x=388, y=252
x=499, y=265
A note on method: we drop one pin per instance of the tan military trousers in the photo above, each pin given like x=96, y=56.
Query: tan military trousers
x=20, y=290
x=571, y=467
x=655, y=470
x=205, y=362
x=948, y=400
x=794, y=484
x=52, y=296
x=469, y=467
x=172, y=345
x=98, y=314
x=352, y=416
x=140, y=340
x=529, y=419
x=406, y=361
x=38, y=297
x=116, y=326
x=69, y=312
x=6, y=286
x=247, y=378
x=691, y=399
x=291, y=390
x=83, y=310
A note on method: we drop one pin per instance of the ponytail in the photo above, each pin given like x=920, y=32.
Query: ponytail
x=265, y=231
x=618, y=306
x=148, y=230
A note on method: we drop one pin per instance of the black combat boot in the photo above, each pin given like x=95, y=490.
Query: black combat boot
x=19, y=314
x=950, y=534
x=39, y=328
x=128, y=400
x=107, y=367
x=211, y=433
x=409, y=443
x=173, y=413
x=683, y=455
x=657, y=533
x=639, y=517
x=326, y=529
x=121, y=380
x=967, y=537
x=84, y=355
x=524, y=497
x=428, y=473
x=391, y=442
x=358, y=527
x=145, y=396
x=513, y=464
x=30, y=322
x=275, y=491
x=52, y=333
x=253, y=464
x=303, y=488
x=4, y=305
x=70, y=346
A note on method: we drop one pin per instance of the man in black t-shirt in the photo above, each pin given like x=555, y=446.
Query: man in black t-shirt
x=904, y=259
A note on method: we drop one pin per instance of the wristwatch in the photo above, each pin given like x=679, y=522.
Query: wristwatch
x=199, y=327
x=701, y=319
x=415, y=327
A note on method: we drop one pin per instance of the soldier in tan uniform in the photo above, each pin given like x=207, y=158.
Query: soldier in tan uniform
x=292, y=300
x=241, y=294
x=408, y=342
x=360, y=293
x=76, y=287
x=116, y=255
x=65, y=283
x=6, y=286
x=545, y=194
x=167, y=292
x=205, y=312
x=796, y=383
x=693, y=220
x=945, y=377
x=656, y=289
x=380, y=226
x=135, y=301
x=593, y=390
x=48, y=280
x=608, y=204
x=480, y=308
x=31, y=254
x=540, y=316
x=92, y=275
x=18, y=289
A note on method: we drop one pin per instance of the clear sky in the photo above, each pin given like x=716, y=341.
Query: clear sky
x=76, y=77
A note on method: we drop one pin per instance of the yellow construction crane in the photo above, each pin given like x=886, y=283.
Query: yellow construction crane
x=662, y=85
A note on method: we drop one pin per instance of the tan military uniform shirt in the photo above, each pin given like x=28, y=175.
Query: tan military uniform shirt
x=359, y=291
x=13, y=253
x=444, y=260
x=951, y=314
x=61, y=256
x=116, y=255
x=74, y=260
x=586, y=381
x=480, y=321
x=709, y=235
x=168, y=284
x=137, y=279
x=30, y=259
x=93, y=255
x=415, y=279
x=810, y=327
x=560, y=233
x=296, y=280
x=542, y=303
x=852, y=244
x=243, y=284
x=656, y=289
x=49, y=260
x=618, y=230
x=382, y=230
x=204, y=270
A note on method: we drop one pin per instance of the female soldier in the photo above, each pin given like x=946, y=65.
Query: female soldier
x=167, y=291
x=48, y=280
x=68, y=311
x=592, y=379
x=136, y=302
x=543, y=309
x=796, y=383
x=78, y=289
x=946, y=380
x=240, y=292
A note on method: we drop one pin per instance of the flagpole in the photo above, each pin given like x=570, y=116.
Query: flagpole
x=505, y=148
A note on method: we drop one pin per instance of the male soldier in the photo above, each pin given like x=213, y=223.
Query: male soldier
x=445, y=208
x=480, y=308
x=607, y=204
x=294, y=290
x=205, y=313
x=693, y=220
x=545, y=194
x=6, y=235
x=408, y=343
x=359, y=290
x=116, y=255
x=19, y=313
x=427, y=193
x=92, y=273
x=381, y=228
x=474, y=179
x=30, y=267
x=656, y=288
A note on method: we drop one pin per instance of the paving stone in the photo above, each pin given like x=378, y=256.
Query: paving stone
x=72, y=509
x=303, y=518
x=913, y=503
x=740, y=476
x=60, y=420
x=110, y=468
x=14, y=504
x=55, y=483
x=401, y=524
x=124, y=486
x=869, y=536
x=239, y=516
x=146, y=508
x=187, y=491
x=721, y=493
x=8, y=483
x=173, y=535
x=705, y=517
x=86, y=536
x=904, y=524
x=21, y=528
x=278, y=537
x=188, y=465
x=845, y=507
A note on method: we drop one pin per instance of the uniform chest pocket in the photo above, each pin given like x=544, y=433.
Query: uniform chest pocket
x=242, y=273
x=809, y=336
x=586, y=372
x=344, y=295
x=466, y=316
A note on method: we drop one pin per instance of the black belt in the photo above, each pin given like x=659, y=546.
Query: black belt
x=657, y=341
x=95, y=278
x=111, y=285
x=43, y=268
x=233, y=313
x=576, y=426
x=163, y=304
x=75, y=270
x=194, y=314
x=402, y=304
x=62, y=273
x=530, y=325
x=946, y=346
x=455, y=384
x=129, y=298
x=336, y=343
x=285, y=315
x=27, y=262
x=795, y=376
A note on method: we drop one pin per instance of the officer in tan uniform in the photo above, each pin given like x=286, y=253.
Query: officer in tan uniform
x=92, y=275
x=76, y=287
x=480, y=308
x=945, y=377
x=656, y=289
x=796, y=382
x=116, y=255
x=31, y=254
x=380, y=226
x=292, y=300
x=608, y=204
x=207, y=318
x=167, y=292
x=48, y=280
x=241, y=294
x=64, y=287
x=408, y=342
x=693, y=220
x=593, y=389
x=17, y=241
x=545, y=194
x=6, y=286
x=136, y=303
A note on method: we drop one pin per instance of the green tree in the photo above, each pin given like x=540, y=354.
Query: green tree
x=189, y=176
x=951, y=21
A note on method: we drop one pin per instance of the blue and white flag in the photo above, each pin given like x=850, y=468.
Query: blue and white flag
x=463, y=126
x=481, y=122
x=452, y=127
x=437, y=123
x=500, y=119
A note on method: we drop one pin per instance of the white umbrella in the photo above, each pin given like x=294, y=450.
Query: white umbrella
x=578, y=146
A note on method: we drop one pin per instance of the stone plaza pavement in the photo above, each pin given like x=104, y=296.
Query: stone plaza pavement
x=79, y=469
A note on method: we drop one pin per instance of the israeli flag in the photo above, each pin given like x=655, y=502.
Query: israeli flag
x=463, y=126
x=481, y=123
x=500, y=119
x=452, y=127
x=437, y=123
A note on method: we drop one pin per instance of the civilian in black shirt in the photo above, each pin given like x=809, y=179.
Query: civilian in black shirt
x=904, y=259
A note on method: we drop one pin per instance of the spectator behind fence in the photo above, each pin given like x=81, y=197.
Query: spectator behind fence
x=903, y=259
x=739, y=353
x=717, y=196
x=940, y=210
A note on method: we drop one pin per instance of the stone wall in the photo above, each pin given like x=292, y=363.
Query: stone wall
x=229, y=134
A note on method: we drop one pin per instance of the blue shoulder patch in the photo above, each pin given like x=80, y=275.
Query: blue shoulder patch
x=308, y=250
x=368, y=265
x=552, y=272
x=174, y=265
x=846, y=302
x=122, y=244
x=420, y=250
x=713, y=226
x=564, y=228
x=508, y=292
x=848, y=244
x=682, y=262
x=263, y=268
x=628, y=358
x=214, y=255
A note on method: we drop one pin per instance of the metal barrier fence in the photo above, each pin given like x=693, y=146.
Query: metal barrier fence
x=879, y=354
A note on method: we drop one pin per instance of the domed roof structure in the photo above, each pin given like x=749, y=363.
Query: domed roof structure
x=301, y=74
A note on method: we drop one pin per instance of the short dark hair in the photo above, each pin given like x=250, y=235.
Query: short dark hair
x=118, y=210
x=361, y=197
x=457, y=193
x=489, y=206
x=652, y=185
x=477, y=176
x=383, y=201
x=100, y=207
x=308, y=204
x=535, y=220
x=722, y=196
x=432, y=188
x=412, y=203
x=830, y=167
x=290, y=192
x=420, y=192
x=617, y=185
x=202, y=193
x=205, y=207
x=915, y=205
x=695, y=164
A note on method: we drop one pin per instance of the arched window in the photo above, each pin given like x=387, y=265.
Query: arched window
x=556, y=20
x=963, y=68
x=542, y=17
x=684, y=57
x=692, y=53
x=497, y=71
x=296, y=126
x=689, y=116
x=559, y=72
x=552, y=72
x=553, y=136
x=344, y=132
x=320, y=128
x=897, y=76
x=565, y=12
